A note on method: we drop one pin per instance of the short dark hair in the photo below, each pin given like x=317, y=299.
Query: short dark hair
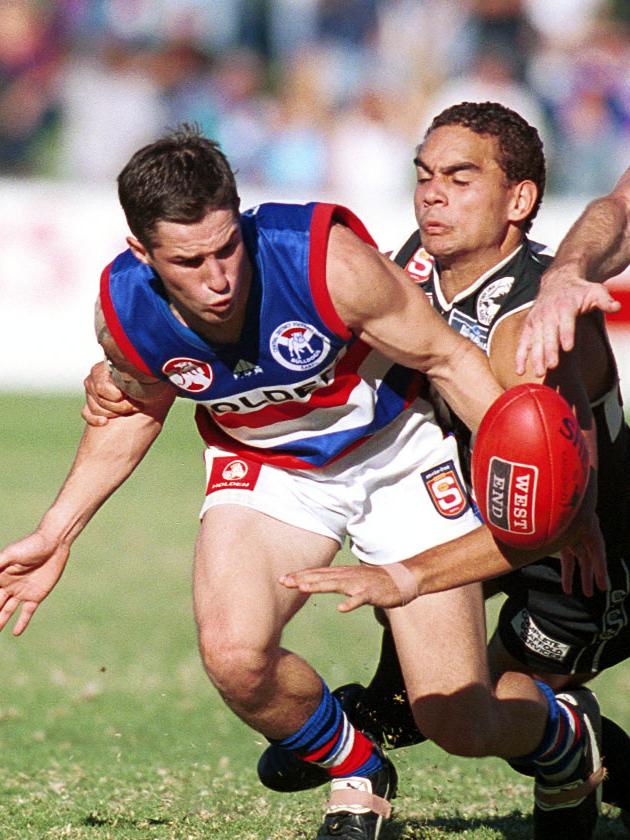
x=521, y=155
x=178, y=178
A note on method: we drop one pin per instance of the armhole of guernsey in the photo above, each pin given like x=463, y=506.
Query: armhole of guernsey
x=116, y=328
x=321, y=221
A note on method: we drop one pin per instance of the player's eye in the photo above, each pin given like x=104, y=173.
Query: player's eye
x=227, y=250
x=191, y=262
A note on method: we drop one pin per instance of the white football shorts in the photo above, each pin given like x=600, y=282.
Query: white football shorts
x=394, y=496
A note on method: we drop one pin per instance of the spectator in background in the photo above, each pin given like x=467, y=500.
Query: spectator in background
x=368, y=150
x=86, y=81
x=585, y=86
x=506, y=26
x=30, y=54
x=240, y=85
x=111, y=105
x=296, y=154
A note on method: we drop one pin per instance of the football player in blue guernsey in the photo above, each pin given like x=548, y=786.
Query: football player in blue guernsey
x=301, y=347
x=482, y=273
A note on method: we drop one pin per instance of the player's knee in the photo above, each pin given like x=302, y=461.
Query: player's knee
x=239, y=670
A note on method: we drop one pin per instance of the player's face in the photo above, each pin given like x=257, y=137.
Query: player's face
x=463, y=201
x=204, y=267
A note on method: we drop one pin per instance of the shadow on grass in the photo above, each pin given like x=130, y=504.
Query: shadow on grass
x=513, y=826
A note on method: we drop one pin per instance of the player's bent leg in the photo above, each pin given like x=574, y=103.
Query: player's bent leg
x=457, y=706
x=615, y=742
x=241, y=610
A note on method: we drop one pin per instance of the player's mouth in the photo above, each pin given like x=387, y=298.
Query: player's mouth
x=220, y=305
x=433, y=228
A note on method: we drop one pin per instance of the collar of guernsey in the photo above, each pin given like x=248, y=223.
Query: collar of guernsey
x=297, y=389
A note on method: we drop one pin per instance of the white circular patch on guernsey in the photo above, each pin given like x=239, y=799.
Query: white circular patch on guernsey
x=490, y=300
x=298, y=346
x=189, y=374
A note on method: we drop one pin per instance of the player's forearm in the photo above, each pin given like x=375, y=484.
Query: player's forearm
x=597, y=247
x=106, y=457
x=464, y=379
x=474, y=557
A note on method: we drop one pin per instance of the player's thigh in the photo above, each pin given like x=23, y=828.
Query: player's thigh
x=441, y=643
x=240, y=555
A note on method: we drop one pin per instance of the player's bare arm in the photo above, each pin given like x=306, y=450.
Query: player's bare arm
x=105, y=458
x=115, y=387
x=596, y=248
x=378, y=302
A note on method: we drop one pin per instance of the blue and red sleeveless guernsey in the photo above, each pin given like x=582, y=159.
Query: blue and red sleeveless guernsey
x=297, y=389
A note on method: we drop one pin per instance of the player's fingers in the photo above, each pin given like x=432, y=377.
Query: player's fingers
x=586, y=577
x=598, y=560
x=352, y=603
x=550, y=345
x=566, y=330
x=309, y=581
x=537, y=349
x=567, y=570
x=523, y=350
x=604, y=300
x=92, y=419
x=23, y=620
x=7, y=611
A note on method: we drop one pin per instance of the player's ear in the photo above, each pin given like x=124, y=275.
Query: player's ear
x=138, y=250
x=524, y=197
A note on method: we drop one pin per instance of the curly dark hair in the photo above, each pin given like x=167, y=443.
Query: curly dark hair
x=178, y=178
x=521, y=155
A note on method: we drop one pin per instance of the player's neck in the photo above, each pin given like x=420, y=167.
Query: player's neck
x=462, y=271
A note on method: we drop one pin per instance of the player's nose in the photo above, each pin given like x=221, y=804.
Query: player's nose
x=213, y=276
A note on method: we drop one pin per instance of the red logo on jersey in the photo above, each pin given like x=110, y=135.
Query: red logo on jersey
x=446, y=490
x=189, y=374
x=420, y=266
x=230, y=473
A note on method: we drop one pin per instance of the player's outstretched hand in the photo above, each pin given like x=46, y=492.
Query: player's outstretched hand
x=103, y=399
x=362, y=584
x=589, y=553
x=29, y=569
x=550, y=324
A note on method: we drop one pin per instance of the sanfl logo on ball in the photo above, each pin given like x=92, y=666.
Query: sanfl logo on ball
x=298, y=346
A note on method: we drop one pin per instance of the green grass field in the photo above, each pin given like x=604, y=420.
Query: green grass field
x=108, y=726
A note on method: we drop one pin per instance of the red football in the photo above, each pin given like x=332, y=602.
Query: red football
x=530, y=466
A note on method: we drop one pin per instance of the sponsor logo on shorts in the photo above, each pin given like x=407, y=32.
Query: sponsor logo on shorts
x=535, y=640
x=446, y=490
x=469, y=328
x=490, y=300
x=298, y=346
x=230, y=473
x=511, y=502
x=420, y=266
x=189, y=374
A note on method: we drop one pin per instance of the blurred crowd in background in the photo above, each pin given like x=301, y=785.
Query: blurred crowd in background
x=308, y=95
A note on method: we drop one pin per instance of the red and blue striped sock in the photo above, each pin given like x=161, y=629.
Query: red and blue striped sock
x=559, y=752
x=329, y=740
